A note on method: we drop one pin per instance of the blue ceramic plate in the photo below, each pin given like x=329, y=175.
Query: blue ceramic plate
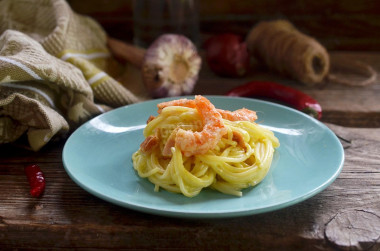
x=97, y=156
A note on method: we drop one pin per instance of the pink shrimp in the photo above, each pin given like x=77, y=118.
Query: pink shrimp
x=170, y=142
x=178, y=102
x=238, y=115
x=149, y=144
x=191, y=143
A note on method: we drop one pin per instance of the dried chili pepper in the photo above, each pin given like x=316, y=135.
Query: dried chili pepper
x=36, y=180
x=295, y=98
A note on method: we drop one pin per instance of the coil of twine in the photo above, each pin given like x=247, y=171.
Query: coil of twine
x=288, y=51
x=350, y=72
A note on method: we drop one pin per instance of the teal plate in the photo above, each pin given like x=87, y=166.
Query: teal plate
x=97, y=156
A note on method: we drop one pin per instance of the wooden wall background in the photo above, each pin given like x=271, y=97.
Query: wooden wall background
x=338, y=25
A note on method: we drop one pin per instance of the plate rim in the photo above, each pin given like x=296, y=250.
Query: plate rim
x=202, y=214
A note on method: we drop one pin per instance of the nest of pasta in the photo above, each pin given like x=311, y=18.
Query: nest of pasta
x=191, y=145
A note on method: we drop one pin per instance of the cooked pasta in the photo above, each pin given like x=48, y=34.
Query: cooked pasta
x=238, y=152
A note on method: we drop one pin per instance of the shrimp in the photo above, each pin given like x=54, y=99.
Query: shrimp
x=169, y=144
x=238, y=115
x=236, y=136
x=191, y=143
x=149, y=144
x=151, y=117
x=179, y=102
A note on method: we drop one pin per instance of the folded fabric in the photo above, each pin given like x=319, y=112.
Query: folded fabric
x=53, y=71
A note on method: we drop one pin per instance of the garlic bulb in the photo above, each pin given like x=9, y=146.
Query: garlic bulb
x=171, y=66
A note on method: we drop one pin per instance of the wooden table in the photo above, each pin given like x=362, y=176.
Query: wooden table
x=344, y=216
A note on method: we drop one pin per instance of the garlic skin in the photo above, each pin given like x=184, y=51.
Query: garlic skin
x=171, y=66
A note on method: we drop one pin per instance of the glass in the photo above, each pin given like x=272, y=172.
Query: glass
x=152, y=18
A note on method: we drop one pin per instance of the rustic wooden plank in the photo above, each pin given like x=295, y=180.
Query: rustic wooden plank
x=364, y=105
x=213, y=8
x=344, y=105
x=337, y=100
x=67, y=216
x=12, y=153
x=345, y=216
x=340, y=25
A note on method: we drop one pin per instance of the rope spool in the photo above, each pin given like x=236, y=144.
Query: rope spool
x=288, y=51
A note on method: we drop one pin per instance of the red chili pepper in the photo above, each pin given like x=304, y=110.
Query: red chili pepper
x=36, y=180
x=227, y=55
x=295, y=98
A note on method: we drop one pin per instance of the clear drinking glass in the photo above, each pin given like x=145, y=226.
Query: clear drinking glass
x=152, y=18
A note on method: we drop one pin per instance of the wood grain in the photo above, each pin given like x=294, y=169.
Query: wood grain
x=345, y=216
x=338, y=25
x=354, y=228
x=67, y=216
x=337, y=100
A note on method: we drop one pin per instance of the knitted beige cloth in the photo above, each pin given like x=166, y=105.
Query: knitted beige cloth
x=53, y=68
